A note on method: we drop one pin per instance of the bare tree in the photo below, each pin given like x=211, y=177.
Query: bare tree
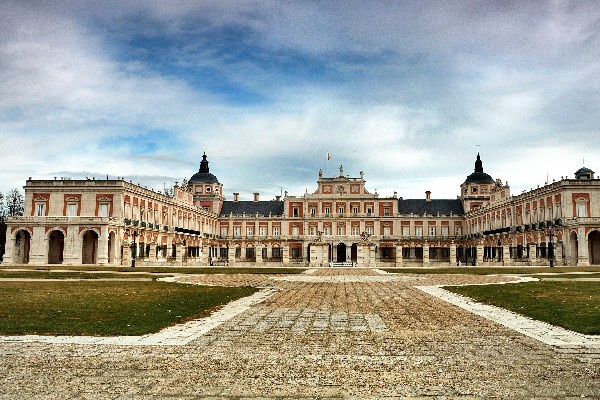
x=15, y=203
x=2, y=208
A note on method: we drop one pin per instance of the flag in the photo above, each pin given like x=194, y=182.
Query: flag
x=328, y=156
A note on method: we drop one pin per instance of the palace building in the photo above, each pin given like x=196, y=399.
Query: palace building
x=115, y=222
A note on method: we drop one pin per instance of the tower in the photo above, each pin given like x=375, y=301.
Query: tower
x=207, y=190
x=476, y=189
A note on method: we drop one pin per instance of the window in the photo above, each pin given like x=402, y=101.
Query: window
x=313, y=230
x=369, y=211
x=418, y=231
x=355, y=230
x=582, y=209
x=432, y=231
x=40, y=209
x=264, y=252
x=262, y=231
x=386, y=231
x=386, y=211
x=327, y=231
x=236, y=232
x=250, y=252
x=355, y=211
x=295, y=211
x=72, y=209
x=295, y=231
x=406, y=231
x=341, y=230
x=104, y=208
x=295, y=253
x=369, y=230
x=458, y=231
x=276, y=252
x=223, y=232
x=445, y=231
x=250, y=232
x=275, y=231
x=327, y=211
x=341, y=211
x=313, y=211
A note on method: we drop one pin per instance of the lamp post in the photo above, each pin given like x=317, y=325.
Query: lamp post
x=550, y=248
x=133, y=255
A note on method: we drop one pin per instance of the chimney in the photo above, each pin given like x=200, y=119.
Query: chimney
x=395, y=194
x=278, y=198
x=235, y=196
x=428, y=196
x=256, y=196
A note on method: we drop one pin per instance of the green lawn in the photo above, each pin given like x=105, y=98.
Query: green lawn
x=105, y=308
x=572, y=305
x=73, y=275
x=491, y=270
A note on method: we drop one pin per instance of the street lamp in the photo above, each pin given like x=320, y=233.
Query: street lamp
x=550, y=247
x=134, y=234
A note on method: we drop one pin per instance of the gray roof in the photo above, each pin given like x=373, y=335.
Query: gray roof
x=422, y=206
x=272, y=207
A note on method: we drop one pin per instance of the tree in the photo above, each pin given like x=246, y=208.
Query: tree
x=2, y=209
x=15, y=203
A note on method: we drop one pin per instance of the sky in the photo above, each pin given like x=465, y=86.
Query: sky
x=402, y=90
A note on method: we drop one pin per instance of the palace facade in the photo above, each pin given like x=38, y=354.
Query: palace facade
x=115, y=222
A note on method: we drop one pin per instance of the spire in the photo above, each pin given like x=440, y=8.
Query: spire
x=204, y=164
x=478, y=164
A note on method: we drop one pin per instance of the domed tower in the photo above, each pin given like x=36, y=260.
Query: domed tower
x=476, y=189
x=206, y=188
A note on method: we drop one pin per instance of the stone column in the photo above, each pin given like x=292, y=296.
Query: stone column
x=426, y=254
x=258, y=254
x=231, y=255
x=506, y=255
x=583, y=259
x=205, y=254
x=38, y=253
x=103, y=246
x=558, y=253
x=286, y=254
x=179, y=249
x=453, y=254
x=532, y=253
x=73, y=246
x=152, y=255
x=399, y=260
x=479, y=254
x=126, y=260
x=372, y=260
x=11, y=241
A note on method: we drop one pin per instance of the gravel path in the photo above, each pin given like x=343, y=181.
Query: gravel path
x=351, y=334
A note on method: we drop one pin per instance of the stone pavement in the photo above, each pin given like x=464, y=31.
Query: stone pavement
x=334, y=333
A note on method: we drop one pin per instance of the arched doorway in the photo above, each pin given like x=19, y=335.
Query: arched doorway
x=594, y=247
x=354, y=252
x=89, y=247
x=56, y=247
x=574, y=248
x=21, y=249
x=341, y=252
x=308, y=253
x=111, y=248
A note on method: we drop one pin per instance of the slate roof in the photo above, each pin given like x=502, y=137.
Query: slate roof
x=422, y=206
x=203, y=177
x=272, y=207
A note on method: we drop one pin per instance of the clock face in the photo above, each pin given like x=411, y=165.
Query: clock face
x=207, y=189
x=474, y=190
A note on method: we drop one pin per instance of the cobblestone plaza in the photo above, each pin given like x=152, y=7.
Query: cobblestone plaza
x=329, y=333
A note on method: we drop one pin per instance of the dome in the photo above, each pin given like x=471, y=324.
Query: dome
x=478, y=176
x=203, y=175
x=584, y=173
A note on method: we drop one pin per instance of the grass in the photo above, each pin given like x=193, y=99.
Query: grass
x=572, y=305
x=105, y=308
x=491, y=270
x=71, y=275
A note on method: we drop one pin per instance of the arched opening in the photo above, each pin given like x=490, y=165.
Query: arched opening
x=594, y=247
x=574, y=247
x=111, y=248
x=21, y=249
x=308, y=253
x=354, y=252
x=56, y=247
x=89, y=247
x=341, y=252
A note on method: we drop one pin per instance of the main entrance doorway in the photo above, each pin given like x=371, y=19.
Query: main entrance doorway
x=341, y=252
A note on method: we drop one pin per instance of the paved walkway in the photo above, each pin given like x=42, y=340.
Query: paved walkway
x=334, y=333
